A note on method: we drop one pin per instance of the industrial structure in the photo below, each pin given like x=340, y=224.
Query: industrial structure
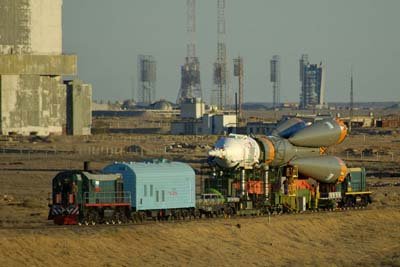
x=147, y=79
x=196, y=121
x=221, y=95
x=313, y=81
x=238, y=72
x=275, y=68
x=190, y=70
x=32, y=93
x=79, y=108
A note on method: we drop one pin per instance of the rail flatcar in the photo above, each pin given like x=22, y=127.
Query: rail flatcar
x=287, y=192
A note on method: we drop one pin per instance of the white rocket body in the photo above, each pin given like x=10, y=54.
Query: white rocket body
x=236, y=151
x=293, y=144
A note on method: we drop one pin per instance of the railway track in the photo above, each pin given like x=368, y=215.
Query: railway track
x=78, y=228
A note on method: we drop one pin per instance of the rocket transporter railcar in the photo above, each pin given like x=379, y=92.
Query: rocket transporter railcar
x=290, y=169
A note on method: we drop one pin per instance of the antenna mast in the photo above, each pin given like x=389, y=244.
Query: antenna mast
x=351, y=99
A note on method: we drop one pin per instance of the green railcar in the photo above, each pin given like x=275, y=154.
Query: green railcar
x=354, y=189
x=85, y=197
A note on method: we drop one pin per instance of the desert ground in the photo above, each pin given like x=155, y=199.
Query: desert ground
x=367, y=237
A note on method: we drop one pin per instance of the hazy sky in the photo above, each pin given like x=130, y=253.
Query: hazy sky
x=108, y=36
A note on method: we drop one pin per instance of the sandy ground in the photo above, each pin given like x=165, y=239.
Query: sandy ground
x=355, y=238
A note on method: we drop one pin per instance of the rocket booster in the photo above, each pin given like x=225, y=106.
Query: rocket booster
x=293, y=143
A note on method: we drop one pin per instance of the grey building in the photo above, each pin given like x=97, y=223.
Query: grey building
x=79, y=108
x=194, y=120
x=32, y=93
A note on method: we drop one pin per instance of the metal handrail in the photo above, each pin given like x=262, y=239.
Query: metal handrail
x=107, y=197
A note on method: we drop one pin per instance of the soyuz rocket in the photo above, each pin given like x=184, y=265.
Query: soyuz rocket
x=292, y=143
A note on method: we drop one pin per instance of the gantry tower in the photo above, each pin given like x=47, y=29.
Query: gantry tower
x=275, y=67
x=190, y=70
x=221, y=92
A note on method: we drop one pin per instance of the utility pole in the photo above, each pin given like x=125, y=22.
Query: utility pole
x=238, y=72
x=351, y=99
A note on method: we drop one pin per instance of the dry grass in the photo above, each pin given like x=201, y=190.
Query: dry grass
x=357, y=238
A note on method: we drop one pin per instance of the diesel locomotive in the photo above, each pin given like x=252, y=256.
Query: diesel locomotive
x=86, y=197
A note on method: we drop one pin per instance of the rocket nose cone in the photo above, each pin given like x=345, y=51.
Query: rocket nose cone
x=218, y=153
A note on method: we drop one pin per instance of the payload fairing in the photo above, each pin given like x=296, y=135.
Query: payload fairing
x=292, y=143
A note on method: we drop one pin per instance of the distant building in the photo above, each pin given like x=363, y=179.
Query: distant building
x=195, y=121
x=192, y=108
x=147, y=70
x=162, y=105
x=390, y=121
x=218, y=123
x=313, y=80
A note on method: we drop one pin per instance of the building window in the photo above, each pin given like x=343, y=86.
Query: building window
x=163, y=196
x=157, y=196
x=145, y=190
x=151, y=190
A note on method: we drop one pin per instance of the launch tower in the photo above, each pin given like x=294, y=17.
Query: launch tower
x=190, y=71
x=221, y=93
x=275, y=66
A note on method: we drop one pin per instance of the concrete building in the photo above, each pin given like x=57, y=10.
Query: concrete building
x=192, y=108
x=32, y=93
x=31, y=27
x=79, y=108
x=313, y=80
x=218, y=123
x=208, y=124
x=195, y=121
